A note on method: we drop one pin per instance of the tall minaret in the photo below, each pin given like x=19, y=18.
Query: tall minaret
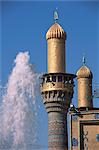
x=57, y=88
x=84, y=77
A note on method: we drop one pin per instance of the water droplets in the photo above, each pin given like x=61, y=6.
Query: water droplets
x=19, y=122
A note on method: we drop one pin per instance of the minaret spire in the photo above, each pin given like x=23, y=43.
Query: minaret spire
x=84, y=60
x=56, y=16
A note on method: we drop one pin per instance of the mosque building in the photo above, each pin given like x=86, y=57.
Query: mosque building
x=57, y=89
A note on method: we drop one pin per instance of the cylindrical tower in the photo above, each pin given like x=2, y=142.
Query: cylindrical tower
x=84, y=77
x=57, y=89
x=56, y=37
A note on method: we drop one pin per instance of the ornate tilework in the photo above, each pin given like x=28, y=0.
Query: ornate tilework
x=97, y=137
x=74, y=142
x=97, y=116
x=74, y=117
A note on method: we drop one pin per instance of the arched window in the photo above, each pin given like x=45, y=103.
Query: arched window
x=54, y=78
x=59, y=78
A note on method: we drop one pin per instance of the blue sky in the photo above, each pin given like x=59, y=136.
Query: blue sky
x=23, y=28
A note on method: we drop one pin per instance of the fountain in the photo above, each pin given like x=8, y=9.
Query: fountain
x=19, y=108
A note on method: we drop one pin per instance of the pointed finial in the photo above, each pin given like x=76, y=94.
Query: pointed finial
x=56, y=16
x=84, y=60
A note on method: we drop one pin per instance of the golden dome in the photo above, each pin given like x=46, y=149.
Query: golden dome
x=84, y=72
x=56, y=31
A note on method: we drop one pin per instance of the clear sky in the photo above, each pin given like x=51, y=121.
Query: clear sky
x=23, y=28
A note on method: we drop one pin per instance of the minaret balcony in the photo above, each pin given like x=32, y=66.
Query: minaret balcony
x=57, y=81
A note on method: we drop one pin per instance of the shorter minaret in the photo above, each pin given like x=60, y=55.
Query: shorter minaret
x=84, y=77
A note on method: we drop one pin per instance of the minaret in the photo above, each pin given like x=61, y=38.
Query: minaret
x=84, y=77
x=57, y=88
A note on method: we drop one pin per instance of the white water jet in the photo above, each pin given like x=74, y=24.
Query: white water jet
x=18, y=113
